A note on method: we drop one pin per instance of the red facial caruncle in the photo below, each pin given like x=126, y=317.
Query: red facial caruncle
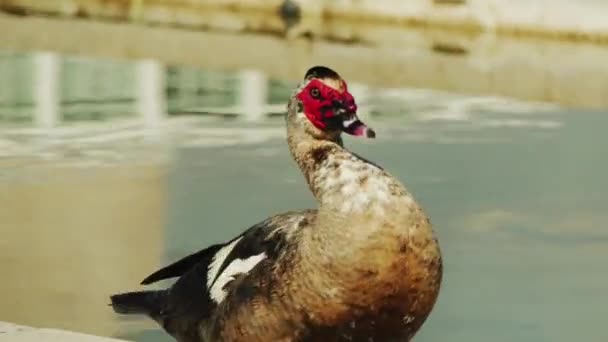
x=328, y=108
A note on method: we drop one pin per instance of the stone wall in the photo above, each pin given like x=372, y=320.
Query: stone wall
x=563, y=19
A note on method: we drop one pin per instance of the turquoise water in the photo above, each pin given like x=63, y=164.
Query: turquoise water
x=517, y=194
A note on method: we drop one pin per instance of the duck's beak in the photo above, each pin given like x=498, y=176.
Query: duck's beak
x=355, y=127
x=351, y=123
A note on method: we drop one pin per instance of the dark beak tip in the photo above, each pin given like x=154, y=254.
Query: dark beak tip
x=371, y=133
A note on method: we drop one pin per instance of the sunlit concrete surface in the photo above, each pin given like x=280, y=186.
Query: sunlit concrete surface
x=17, y=333
x=73, y=236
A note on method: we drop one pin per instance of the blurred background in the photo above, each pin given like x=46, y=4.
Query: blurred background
x=134, y=132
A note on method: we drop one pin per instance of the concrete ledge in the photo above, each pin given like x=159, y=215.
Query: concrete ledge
x=10, y=332
x=582, y=20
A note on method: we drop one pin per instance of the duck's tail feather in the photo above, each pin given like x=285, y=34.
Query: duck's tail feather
x=151, y=303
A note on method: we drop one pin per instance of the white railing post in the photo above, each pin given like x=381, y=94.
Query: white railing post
x=151, y=92
x=46, y=89
x=253, y=94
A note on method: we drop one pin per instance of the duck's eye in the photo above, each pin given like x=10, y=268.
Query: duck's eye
x=314, y=92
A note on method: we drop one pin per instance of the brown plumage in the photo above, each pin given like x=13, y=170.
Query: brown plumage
x=364, y=266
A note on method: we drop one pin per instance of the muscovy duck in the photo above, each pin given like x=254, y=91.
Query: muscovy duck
x=364, y=266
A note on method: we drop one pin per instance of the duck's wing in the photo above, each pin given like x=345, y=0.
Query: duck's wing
x=205, y=276
x=182, y=266
x=265, y=241
x=255, y=240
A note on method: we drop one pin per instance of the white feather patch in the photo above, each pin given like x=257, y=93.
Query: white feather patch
x=218, y=260
x=237, y=266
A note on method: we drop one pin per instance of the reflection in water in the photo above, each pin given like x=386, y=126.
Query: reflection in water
x=50, y=90
x=53, y=89
x=515, y=190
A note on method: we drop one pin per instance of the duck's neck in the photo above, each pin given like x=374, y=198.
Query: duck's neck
x=340, y=180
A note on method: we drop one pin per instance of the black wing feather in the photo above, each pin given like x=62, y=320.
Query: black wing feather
x=183, y=265
x=254, y=241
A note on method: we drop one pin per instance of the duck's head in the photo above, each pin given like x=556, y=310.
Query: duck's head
x=323, y=105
